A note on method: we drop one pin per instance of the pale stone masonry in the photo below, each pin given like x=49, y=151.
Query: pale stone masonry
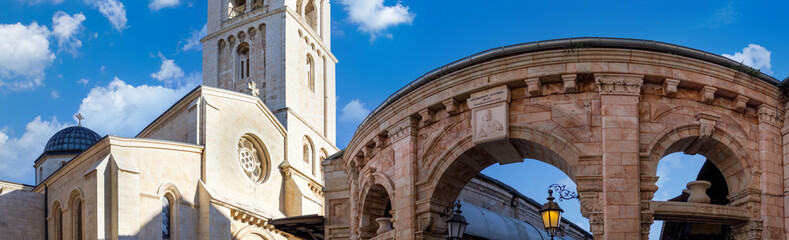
x=230, y=156
x=604, y=111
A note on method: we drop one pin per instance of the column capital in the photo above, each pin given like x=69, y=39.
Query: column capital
x=403, y=128
x=769, y=115
x=619, y=84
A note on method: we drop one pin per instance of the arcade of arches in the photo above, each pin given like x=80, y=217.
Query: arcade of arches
x=604, y=114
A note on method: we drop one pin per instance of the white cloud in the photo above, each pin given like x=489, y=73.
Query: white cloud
x=19, y=153
x=113, y=10
x=354, y=111
x=156, y=5
x=83, y=82
x=373, y=17
x=193, y=42
x=24, y=54
x=168, y=72
x=754, y=56
x=33, y=2
x=54, y=94
x=64, y=28
x=124, y=110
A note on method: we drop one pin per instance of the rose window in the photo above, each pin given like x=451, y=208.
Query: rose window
x=249, y=158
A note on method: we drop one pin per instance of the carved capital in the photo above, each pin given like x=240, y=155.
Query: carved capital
x=647, y=218
x=748, y=230
x=591, y=202
x=570, y=83
x=769, y=115
x=740, y=103
x=670, y=87
x=619, y=84
x=534, y=87
x=596, y=224
x=403, y=128
x=707, y=94
x=453, y=107
x=428, y=117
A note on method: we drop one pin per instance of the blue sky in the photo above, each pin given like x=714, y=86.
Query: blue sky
x=121, y=63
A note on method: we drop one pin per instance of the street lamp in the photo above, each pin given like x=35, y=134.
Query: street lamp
x=551, y=215
x=456, y=225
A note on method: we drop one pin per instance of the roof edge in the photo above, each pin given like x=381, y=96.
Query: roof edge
x=567, y=43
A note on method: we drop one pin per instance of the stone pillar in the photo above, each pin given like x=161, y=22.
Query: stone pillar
x=402, y=137
x=771, y=168
x=619, y=97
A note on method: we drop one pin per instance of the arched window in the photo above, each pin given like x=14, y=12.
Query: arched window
x=167, y=209
x=236, y=8
x=323, y=156
x=243, y=61
x=311, y=15
x=309, y=153
x=310, y=68
x=76, y=219
x=57, y=220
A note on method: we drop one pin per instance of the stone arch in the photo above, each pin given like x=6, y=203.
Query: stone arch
x=57, y=220
x=375, y=203
x=252, y=233
x=720, y=148
x=77, y=214
x=311, y=14
x=308, y=153
x=551, y=149
x=243, y=52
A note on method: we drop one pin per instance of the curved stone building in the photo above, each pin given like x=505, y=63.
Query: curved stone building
x=602, y=110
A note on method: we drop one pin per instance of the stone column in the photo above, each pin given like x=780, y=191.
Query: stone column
x=619, y=97
x=771, y=168
x=402, y=137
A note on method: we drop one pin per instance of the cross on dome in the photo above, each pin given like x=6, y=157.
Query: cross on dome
x=252, y=86
x=79, y=119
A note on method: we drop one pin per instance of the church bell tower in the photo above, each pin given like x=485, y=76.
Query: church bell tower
x=283, y=47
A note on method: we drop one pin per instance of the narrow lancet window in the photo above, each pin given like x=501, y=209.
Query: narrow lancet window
x=166, y=218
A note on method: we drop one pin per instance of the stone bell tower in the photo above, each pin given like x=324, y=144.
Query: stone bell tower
x=283, y=47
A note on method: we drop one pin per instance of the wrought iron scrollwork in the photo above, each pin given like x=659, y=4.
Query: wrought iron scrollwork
x=562, y=192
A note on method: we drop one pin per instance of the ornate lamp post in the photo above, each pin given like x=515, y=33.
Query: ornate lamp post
x=456, y=225
x=551, y=212
x=551, y=215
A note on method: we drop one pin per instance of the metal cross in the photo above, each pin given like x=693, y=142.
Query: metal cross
x=79, y=119
x=252, y=86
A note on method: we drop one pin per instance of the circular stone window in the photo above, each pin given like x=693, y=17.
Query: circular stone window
x=253, y=161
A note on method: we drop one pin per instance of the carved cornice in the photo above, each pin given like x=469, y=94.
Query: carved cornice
x=769, y=115
x=619, y=84
x=403, y=128
x=251, y=219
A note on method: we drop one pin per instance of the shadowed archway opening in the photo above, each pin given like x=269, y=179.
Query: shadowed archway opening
x=460, y=179
x=375, y=204
x=712, y=161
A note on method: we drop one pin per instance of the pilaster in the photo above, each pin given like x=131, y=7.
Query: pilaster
x=619, y=97
x=402, y=138
x=771, y=177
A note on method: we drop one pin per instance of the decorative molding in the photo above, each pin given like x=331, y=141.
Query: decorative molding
x=453, y=107
x=534, y=87
x=428, y=117
x=591, y=202
x=670, y=87
x=596, y=224
x=619, y=84
x=707, y=94
x=250, y=219
x=570, y=83
x=706, y=124
x=740, y=103
x=769, y=115
x=402, y=129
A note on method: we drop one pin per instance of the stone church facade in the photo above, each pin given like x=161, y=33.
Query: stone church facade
x=231, y=155
x=604, y=111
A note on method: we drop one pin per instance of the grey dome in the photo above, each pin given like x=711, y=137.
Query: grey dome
x=72, y=139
